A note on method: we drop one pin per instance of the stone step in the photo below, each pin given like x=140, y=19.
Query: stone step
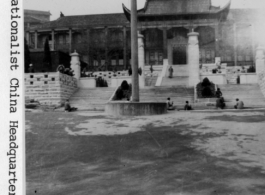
x=91, y=99
x=175, y=81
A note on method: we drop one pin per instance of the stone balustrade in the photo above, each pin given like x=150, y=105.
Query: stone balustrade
x=49, y=88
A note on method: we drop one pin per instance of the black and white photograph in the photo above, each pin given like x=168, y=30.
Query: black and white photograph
x=134, y=97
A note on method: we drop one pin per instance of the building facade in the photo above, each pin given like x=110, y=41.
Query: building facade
x=103, y=40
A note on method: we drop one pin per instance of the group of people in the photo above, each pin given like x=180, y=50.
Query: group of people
x=170, y=105
x=67, y=71
x=220, y=102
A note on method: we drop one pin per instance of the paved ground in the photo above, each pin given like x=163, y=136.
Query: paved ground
x=181, y=153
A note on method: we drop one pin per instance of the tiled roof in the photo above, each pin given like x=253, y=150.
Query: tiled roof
x=158, y=7
x=28, y=11
x=30, y=19
x=86, y=20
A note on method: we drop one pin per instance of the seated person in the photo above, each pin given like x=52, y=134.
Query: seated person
x=218, y=93
x=220, y=103
x=68, y=108
x=187, y=106
x=239, y=104
x=170, y=105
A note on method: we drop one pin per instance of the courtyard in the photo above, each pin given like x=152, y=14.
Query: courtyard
x=179, y=153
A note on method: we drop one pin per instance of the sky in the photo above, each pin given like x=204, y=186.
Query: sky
x=86, y=7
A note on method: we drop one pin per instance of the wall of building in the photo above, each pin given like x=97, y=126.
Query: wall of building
x=49, y=88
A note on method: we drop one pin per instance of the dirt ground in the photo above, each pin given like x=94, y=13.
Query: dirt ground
x=180, y=153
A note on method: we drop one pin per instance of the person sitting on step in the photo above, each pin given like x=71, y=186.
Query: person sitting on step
x=239, y=104
x=218, y=93
x=170, y=104
x=220, y=103
x=68, y=108
x=187, y=106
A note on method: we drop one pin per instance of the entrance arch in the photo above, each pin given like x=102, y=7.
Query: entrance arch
x=177, y=46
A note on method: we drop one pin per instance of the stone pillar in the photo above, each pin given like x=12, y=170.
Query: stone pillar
x=193, y=58
x=165, y=43
x=124, y=48
x=75, y=65
x=260, y=62
x=36, y=39
x=217, y=53
x=235, y=44
x=70, y=40
x=53, y=41
x=134, y=50
x=141, y=61
x=106, y=49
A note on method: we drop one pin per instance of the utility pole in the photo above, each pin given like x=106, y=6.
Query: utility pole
x=134, y=52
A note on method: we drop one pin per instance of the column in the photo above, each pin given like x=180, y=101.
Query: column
x=193, y=57
x=53, y=41
x=27, y=37
x=260, y=62
x=141, y=59
x=124, y=48
x=36, y=39
x=106, y=49
x=235, y=44
x=75, y=65
x=90, y=63
x=253, y=41
x=217, y=37
x=70, y=40
x=165, y=43
x=134, y=50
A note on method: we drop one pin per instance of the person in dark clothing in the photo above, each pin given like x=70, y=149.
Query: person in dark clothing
x=187, y=106
x=218, y=93
x=68, y=108
x=170, y=104
x=220, y=103
x=130, y=71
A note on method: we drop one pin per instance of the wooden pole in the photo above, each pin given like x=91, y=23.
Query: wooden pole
x=134, y=52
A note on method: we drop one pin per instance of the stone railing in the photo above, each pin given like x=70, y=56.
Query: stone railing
x=261, y=81
x=49, y=88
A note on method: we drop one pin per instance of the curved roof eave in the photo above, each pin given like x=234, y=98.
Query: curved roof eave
x=223, y=11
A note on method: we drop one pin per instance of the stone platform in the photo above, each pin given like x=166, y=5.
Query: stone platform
x=121, y=108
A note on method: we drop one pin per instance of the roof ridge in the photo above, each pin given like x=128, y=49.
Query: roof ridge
x=92, y=14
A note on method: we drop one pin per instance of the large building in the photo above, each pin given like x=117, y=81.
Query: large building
x=103, y=40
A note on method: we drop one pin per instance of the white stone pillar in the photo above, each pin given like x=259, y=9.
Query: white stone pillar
x=141, y=58
x=193, y=58
x=75, y=65
x=260, y=62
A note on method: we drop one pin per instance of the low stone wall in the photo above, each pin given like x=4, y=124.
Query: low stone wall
x=49, y=88
x=248, y=78
x=120, y=108
x=261, y=81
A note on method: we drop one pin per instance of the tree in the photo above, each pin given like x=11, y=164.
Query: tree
x=27, y=59
x=47, y=62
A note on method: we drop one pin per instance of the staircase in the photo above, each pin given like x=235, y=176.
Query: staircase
x=175, y=81
x=180, y=76
x=250, y=94
x=92, y=99
x=231, y=78
x=179, y=95
x=150, y=81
